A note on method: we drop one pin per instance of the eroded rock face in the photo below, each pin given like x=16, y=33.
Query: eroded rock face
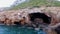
x=17, y=15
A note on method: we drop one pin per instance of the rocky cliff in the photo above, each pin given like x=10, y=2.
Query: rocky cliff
x=16, y=15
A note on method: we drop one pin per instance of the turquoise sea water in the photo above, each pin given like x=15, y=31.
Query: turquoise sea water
x=16, y=30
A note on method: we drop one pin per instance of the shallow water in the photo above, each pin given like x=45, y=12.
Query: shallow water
x=17, y=30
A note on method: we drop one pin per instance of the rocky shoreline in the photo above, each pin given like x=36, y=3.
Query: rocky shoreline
x=17, y=15
x=23, y=17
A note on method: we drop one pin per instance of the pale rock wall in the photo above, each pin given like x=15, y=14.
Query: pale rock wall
x=16, y=15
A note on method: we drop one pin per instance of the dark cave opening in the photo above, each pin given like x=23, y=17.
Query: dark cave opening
x=17, y=23
x=46, y=19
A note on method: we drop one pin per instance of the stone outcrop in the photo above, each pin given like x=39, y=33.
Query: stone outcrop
x=9, y=17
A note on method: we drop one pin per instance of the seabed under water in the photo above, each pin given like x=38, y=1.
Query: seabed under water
x=16, y=29
x=4, y=29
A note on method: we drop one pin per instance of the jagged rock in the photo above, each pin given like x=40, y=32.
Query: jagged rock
x=17, y=15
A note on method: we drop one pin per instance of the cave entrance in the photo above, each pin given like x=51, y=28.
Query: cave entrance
x=17, y=23
x=46, y=19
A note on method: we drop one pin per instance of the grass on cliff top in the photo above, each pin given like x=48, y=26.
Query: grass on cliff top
x=33, y=3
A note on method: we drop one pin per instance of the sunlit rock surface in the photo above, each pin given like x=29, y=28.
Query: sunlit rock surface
x=16, y=15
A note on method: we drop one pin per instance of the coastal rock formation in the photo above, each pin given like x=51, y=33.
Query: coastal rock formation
x=22, y=17
x=17, y=15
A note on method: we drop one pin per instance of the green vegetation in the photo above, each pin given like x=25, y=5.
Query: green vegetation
x=33, y=3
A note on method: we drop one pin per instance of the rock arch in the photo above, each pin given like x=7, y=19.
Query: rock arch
x=45, y=18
